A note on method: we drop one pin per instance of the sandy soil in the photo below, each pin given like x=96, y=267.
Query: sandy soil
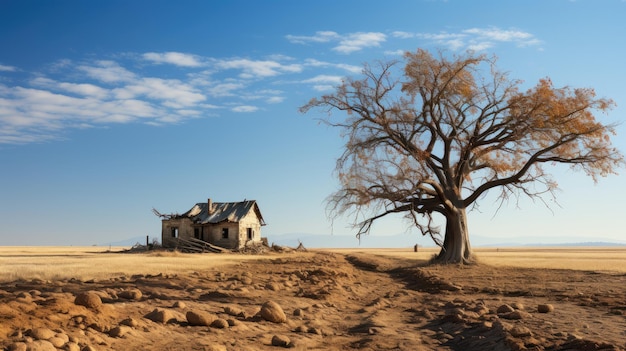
x=330, y=301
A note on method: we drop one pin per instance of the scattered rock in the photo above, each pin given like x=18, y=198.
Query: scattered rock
x=545, y=308
x=89, y=299
x=131, y=294
x=281, y=340
x=119, y=331
x=313, y=330
x=17, y=346
x=505, y=309
x=516, y=315
x=72, y=346
x=298, y=312
x=161, y=316
x=130, y=322
x=195, y=318
x=88, y=348
x=57, y=342
x=179, y=304
x=41, y=333
x=234, y=311
x=272, y=312
x=216, y=348
x=272, y=286
x=40, y=345
x=220, y=324
x=517, y=305
x=519, y=331
x=481, y=310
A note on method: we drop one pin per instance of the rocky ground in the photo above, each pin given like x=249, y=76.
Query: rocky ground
x=321, y=301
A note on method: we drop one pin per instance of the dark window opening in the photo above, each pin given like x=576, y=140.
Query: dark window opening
x=250, y=233
x=174, y=232
x=224, y=233
x=196, y=233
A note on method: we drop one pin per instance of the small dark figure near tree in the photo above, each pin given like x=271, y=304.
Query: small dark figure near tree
x=448, y=131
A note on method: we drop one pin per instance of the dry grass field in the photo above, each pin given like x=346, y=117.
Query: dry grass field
x=91, y=262
x=96, y=298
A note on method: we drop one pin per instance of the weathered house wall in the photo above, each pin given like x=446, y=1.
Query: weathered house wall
x=175, y=228
x=249, y=229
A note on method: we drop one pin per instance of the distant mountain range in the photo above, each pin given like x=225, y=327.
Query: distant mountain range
x=325, y=241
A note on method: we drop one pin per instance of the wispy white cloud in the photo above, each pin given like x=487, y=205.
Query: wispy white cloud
x=223, y=89
x=343, y=66
x=245, y=108
x=81, y=89
x=107, y=72
x=174, y=58
x=319, y=37
x=399, y=52
x=477, y=39
x=171, y=92
x=324, y=82
x=258, y=68
x=358, y=41
x=5, y=68
x=275, y=99
x=324, y=79
x=346, y=43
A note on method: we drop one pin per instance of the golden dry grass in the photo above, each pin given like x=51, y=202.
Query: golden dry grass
x=55, y=263
x=604, y=259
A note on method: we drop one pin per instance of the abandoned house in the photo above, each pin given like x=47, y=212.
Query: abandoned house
x=230, y=225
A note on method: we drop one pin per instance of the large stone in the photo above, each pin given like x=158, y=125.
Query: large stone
x=130, y=322
x=199, y=318
x=516, y=315
x=520, y=331
x=220, y=324
x=281, y=340
x=42, y=333
x=272, y=312
x=131, y=294
x=234, y=311
x=505, y=309
x=40, y=345
x=88, y=299
x=545, y=308
x=17, y=346
x=57, y=342
x=161, y=316
x=119, y=331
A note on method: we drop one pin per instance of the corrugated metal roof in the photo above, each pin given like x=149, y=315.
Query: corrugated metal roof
x=222, y=211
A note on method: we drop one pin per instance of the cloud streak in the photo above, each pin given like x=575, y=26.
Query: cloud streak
x=174, y=58
x=476, y=39
x=346, y=43
x=5, y=68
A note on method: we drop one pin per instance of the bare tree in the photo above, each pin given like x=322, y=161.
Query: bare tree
x=450, y=131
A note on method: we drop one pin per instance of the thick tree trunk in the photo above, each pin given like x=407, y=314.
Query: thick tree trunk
x=456, y=245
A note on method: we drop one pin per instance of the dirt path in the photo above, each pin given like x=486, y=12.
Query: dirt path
x=330, y=302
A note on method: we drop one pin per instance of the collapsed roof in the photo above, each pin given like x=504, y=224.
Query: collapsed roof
x=221, y=212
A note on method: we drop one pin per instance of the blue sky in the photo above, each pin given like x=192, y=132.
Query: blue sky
x=111, y=108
